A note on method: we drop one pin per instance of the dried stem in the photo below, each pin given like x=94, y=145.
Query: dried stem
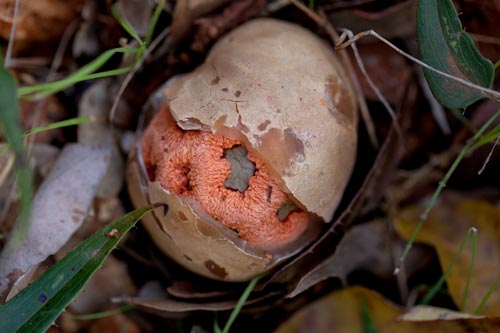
x=325, y=24
x=490, y=93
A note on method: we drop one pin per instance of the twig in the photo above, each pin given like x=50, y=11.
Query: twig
x=348, y=34
x=490, y=93
x=325, y=24
x=488, y=158
x=134, y=70
x=436, y=108
x=10, y=46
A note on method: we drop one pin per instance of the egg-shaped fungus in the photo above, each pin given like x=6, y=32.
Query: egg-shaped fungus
x=251, y=151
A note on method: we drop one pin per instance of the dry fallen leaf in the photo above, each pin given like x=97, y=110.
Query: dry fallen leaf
x=357, y=309
x=340, y=312
x=58, y=209
x=37, y=21
x=365, y=247
x=427, y=312
x=446, y=227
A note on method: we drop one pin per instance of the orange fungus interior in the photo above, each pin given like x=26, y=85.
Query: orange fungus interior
x=193, y=164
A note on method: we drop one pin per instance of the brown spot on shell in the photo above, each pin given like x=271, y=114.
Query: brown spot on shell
x=215, y=269
x=262, y=127
x=339, y=101
x=182, y=216
x=215, y=81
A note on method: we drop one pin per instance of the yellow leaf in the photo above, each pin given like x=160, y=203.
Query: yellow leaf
x=445, y=229
x=340, y=312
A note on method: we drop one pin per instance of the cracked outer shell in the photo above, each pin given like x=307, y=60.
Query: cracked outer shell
x=198, y=242
x=280, y=89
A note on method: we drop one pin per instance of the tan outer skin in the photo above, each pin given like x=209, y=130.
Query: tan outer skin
x=277, y=81
x=281, y=90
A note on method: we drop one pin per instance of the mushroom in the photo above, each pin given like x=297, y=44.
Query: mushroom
x=251, y=151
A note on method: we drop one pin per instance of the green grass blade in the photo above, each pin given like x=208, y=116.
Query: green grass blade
x=92, y=76
x=239, y=304
x=103, y=314
x=445, y=46
x=36, y=307
x=488, y=137
x=442, y=184
x=487, y=296
x=435, y=289
x=217, y=328
x=115, y=10
x=11, y=126
x=432, y=202
x=153, y=22
x=471, y=269
x=78, y=76
x=368, y=326
x=60, y=124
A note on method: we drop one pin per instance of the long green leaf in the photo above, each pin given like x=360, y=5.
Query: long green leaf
x=445, y=46
x=78, y=76
x=37, y=306
x=11, y=126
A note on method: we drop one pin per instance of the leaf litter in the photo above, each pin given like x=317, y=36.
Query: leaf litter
x=58, y=209
x=332, y=256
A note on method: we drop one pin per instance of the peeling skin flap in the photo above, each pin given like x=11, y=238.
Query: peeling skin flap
x=58, y=209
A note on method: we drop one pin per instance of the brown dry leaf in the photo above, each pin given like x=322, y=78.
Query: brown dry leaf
x=111, y=280
x=340, y=312
x=397, y=20
x=389, y=71
x=446, y=227
x=37, y=21
x=485, y=325
x=347, y=310
x=365, y=247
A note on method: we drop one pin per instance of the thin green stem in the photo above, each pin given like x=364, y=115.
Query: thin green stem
x=82, y=74
x=432, y=202
x=434, y=290
x=217, y=328
x=115, y=10
x=154, y=21
x=487, y=296
x=103, y=314
x=60, y=124
x=469, y=147
x=471, y=269
x=239, y=304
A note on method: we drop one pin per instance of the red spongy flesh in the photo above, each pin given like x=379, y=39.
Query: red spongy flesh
x=192, y=164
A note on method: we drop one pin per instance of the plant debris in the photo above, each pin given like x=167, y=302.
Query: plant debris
x=241, y=168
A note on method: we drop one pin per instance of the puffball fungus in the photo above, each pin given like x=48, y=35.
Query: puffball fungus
x=249, y=151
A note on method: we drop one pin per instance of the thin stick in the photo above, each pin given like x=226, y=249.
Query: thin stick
x=486, y=91
x=380, y=96
x=488, y=158
x=134, y=70
x=10, y=46
x=325, y=24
